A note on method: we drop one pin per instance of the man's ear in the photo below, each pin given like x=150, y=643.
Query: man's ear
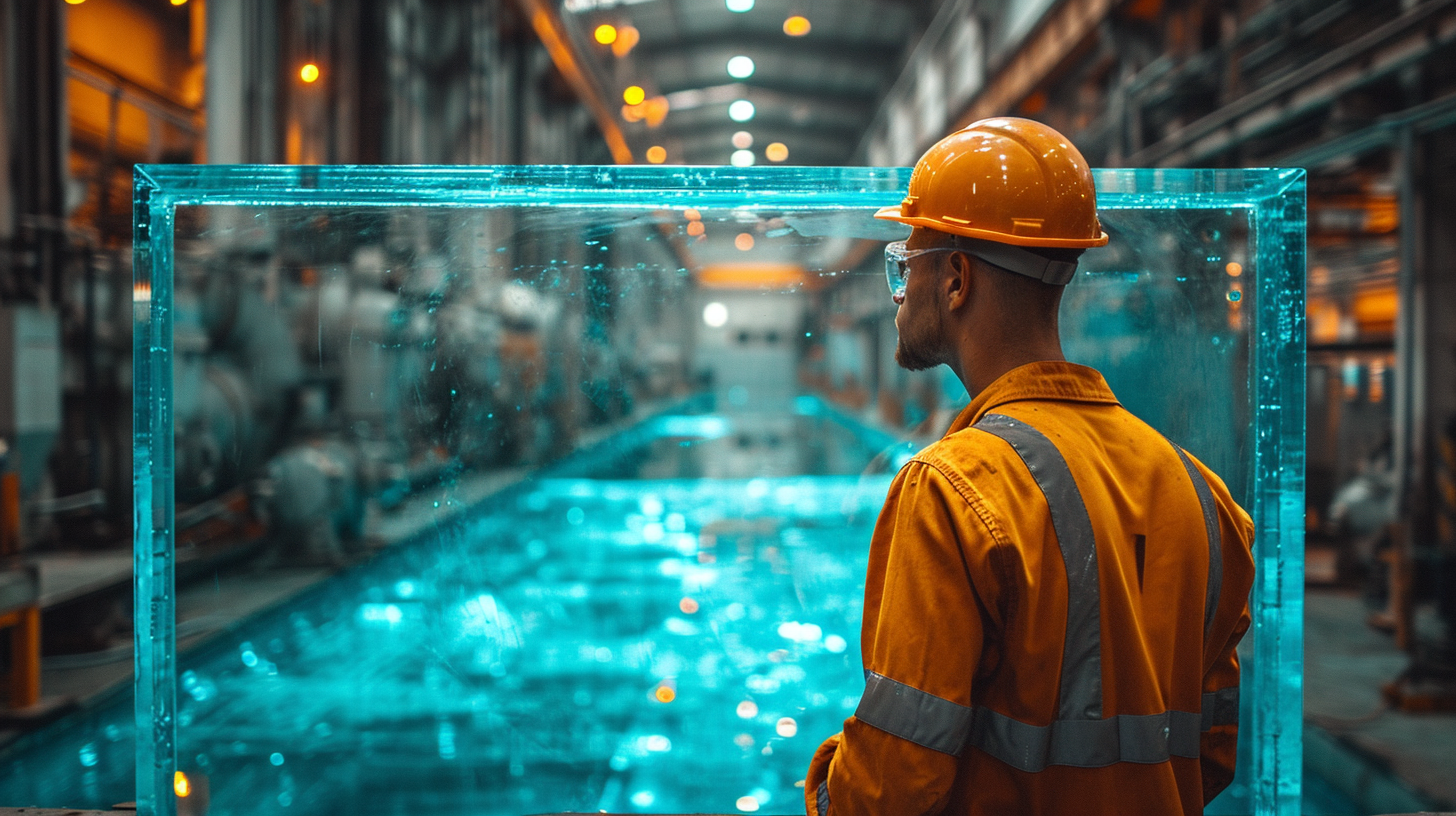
x=957, y=281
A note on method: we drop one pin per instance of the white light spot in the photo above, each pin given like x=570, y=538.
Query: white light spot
x=747, y=804
x=740, y=67
x=739, y=6
x=786, y=727
x=742, y=158
x=835, y=644
x=741, y=110
x=715, y=314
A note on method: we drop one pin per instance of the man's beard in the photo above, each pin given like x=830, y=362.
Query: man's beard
x=919, y=346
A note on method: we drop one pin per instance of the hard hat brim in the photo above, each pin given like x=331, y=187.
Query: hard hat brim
x=893, y=213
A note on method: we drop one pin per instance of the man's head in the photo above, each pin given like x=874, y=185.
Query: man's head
x=952, y=292
x=1000, y=210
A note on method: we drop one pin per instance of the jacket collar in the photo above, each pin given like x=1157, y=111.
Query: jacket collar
x=1047, y=380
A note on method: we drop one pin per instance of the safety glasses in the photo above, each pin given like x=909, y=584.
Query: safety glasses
x=897, y=264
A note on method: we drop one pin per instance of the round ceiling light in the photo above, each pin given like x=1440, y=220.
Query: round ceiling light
x=740, y=67
x=715, y=314
x=741, y=110
x=797, y=26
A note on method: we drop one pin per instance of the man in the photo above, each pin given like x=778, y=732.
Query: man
x=1055, y=591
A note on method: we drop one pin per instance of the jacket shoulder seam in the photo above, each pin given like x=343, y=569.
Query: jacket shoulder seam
x=979, y=505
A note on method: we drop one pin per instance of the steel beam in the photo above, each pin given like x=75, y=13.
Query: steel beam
x=1407, y=40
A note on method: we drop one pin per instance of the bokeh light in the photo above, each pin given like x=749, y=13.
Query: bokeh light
x=744, y=241
x=180, y=784
x=739, y=6
x=740, y=67
x=695, y=228
x=748, y=709
x=797, y=26
x=605, y=34
x=743, y=140
x=634, y=95
x=688, y=605
x=665, y=694
x=776, y=152
x=309, y=72
x=657, y=154
x=741, y=110
x=1234, y=269
x=786, y=727
x=747, y=804
x=742, y=158
x=627, y=37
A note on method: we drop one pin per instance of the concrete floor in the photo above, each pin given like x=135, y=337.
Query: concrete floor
x=1386, y=761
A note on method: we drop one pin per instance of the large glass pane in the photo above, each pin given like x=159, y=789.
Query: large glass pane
x=575, y=469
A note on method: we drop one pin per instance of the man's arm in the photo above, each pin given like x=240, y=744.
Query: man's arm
x=922, y=641
x=1218, y=748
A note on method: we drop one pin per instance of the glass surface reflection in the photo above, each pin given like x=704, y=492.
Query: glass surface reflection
x=602, y=474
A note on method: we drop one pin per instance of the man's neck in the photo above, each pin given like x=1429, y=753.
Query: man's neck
x=981, y=360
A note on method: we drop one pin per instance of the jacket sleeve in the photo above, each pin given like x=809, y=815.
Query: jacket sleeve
x=1218, y=748
x=922, y=641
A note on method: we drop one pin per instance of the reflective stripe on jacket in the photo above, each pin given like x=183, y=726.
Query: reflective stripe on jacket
x=1053, y=599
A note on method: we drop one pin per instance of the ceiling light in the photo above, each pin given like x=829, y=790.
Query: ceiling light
x=740, y=67
x=656, y=154
x=742, y=158
x=796, y=26
x=740, y=6
x=634, y=95
x=606, y=34
x=715, y=314
x=776, y=152
x=743, y=140
x=741, y=110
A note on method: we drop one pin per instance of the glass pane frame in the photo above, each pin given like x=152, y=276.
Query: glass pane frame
x=1273, y=200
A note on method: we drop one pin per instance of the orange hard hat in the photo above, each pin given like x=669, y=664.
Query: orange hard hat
x=1008, y=180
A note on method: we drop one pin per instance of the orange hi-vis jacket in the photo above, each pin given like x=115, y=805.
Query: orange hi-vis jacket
x=1054, y=595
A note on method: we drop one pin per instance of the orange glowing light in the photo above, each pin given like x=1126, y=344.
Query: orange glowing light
x=634, y=95
x=1234, y=269
x=665, y=694
x=688, y=606
x=180, y=785
x=695, y=228
x=743, y=241
x=797, y=26
x=309, y=72
x=74, y=2
x=692, y=214
x=179, y=2
x=627, y=37
x=605, y=34
x=776, y=152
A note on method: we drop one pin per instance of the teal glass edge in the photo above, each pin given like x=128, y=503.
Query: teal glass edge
x=1274, y=200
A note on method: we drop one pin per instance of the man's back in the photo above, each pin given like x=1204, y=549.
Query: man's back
x=1035, y=637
